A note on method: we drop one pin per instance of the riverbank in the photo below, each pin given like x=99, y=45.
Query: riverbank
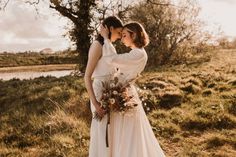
x=38, y=68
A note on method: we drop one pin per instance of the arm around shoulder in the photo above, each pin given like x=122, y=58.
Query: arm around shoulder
x=127, y=59
x=108, y=49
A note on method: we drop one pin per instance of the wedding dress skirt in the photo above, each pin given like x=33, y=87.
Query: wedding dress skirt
x=97, y=147
x=131, y=133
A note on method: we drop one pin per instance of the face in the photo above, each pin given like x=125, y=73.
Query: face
x=126, y=38
x=115, y=33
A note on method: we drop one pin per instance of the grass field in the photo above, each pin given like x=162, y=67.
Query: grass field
x=192, y=110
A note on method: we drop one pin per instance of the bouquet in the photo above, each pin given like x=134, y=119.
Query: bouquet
x=115, y=97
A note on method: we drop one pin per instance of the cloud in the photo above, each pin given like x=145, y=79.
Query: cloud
x=22, y=29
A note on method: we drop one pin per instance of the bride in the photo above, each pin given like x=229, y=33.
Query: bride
x=98, y=70
x=131, y=134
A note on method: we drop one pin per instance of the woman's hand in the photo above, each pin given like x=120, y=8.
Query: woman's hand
x=104, y=31
x=99, y=110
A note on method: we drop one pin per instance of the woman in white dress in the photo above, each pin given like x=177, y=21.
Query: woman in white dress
x=131, y=134
x=97, y=71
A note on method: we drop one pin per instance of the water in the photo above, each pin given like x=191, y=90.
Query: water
x=33, y=74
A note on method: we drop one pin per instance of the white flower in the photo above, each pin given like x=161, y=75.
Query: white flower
x=145, y=104
x=115, y=92
x=125, y=104
x=138, y=89
x=112, y=85
x=148, y=109
x=112, y=100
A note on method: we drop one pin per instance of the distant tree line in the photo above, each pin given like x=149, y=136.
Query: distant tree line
x=225, y=43
x=28, y=58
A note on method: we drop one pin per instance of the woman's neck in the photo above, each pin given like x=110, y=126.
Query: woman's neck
x=133, y=47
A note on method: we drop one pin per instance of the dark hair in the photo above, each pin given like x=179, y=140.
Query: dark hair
x=141, y=39
x=109, y=21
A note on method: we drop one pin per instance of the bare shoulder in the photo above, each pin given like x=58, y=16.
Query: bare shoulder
x=96, y=44
x=95, y=49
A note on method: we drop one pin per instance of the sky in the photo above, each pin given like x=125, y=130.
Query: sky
x=22, y=29
x=219, y=13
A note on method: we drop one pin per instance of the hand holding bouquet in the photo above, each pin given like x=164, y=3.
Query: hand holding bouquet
x=115, y=97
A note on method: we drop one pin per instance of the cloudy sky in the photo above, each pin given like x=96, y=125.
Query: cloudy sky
x=22, y=29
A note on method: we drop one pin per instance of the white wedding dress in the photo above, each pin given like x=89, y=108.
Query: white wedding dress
x=97, y=147
x=130, y=134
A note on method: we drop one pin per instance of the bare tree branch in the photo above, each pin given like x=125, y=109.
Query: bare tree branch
x=162, y=4
x=70, y=8
x=104, y=10
x=65, y=12
x=101, y=11
x=33, y=3
x=5, y=5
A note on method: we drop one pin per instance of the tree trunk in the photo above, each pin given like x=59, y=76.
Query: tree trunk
x=83, y=32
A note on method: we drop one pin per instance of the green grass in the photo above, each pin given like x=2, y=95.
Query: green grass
x=192, y=110
x=27, y=59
